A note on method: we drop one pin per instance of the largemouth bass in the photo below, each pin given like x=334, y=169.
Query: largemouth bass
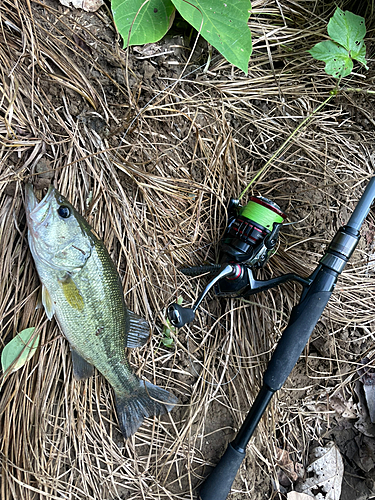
x=81, y=287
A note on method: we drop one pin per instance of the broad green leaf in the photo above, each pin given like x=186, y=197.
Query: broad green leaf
x=338, y=62
x=223, y=24
x=347, y=29
x=147, y=21
x=361, y=55
x=19, y=350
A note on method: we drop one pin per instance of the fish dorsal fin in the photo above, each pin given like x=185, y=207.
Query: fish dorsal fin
x=47, y=303
x=71, y=293
x=139, y=331
x=82, y=369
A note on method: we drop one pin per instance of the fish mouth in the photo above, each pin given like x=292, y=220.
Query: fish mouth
x=31, y=202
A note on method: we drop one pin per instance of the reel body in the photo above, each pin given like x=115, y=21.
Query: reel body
x=252, y=231
x=248, y=242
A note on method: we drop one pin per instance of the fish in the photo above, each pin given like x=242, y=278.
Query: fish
x=81, y=287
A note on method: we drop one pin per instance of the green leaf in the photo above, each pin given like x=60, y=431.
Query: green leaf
x=361, y=55
x=338, y=62
x=151, y=19
x=347, y=29
x=19, y=350
x=223, y=24
x=179, y=300
x=167, y=342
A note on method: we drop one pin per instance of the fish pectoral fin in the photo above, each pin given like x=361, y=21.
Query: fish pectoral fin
x=139, y=331
x=72, y=294
x=82, y=369
x=47, y=303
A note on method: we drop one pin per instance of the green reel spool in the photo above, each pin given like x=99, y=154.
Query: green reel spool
x=263, y=212
x=248, y=229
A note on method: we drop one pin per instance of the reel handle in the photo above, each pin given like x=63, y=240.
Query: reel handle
x=179, y=315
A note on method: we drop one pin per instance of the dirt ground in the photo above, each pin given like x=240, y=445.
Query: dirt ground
x=147, y=132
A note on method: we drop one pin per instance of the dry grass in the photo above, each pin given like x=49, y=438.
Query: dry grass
x=155, y=181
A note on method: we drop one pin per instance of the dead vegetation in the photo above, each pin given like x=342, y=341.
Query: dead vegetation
x=151, y=150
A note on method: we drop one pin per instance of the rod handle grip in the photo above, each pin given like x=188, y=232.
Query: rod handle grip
x=218, y=484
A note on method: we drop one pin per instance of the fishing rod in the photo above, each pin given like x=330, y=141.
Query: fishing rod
x=248, y=242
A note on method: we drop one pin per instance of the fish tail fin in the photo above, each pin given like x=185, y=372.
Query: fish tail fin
x=148, y=401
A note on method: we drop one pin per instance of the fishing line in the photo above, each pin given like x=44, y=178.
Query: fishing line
x=286, y=143
x=263, y=212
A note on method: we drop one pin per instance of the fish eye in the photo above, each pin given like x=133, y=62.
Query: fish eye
x=64, y=212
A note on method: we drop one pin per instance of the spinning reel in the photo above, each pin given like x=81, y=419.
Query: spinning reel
x=248, y=242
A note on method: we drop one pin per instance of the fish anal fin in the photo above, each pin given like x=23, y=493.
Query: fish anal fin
x=72, y=294
x=139, y=331
x=82, y=369
x=47, y=303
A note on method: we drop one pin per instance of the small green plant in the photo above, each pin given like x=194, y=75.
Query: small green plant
x=167, y=340
x=168, y=328
x=221, y=22
x=19, y=350
x=347, y=32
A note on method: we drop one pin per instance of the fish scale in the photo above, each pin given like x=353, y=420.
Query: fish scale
x=82, y=288
x=106, y=314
